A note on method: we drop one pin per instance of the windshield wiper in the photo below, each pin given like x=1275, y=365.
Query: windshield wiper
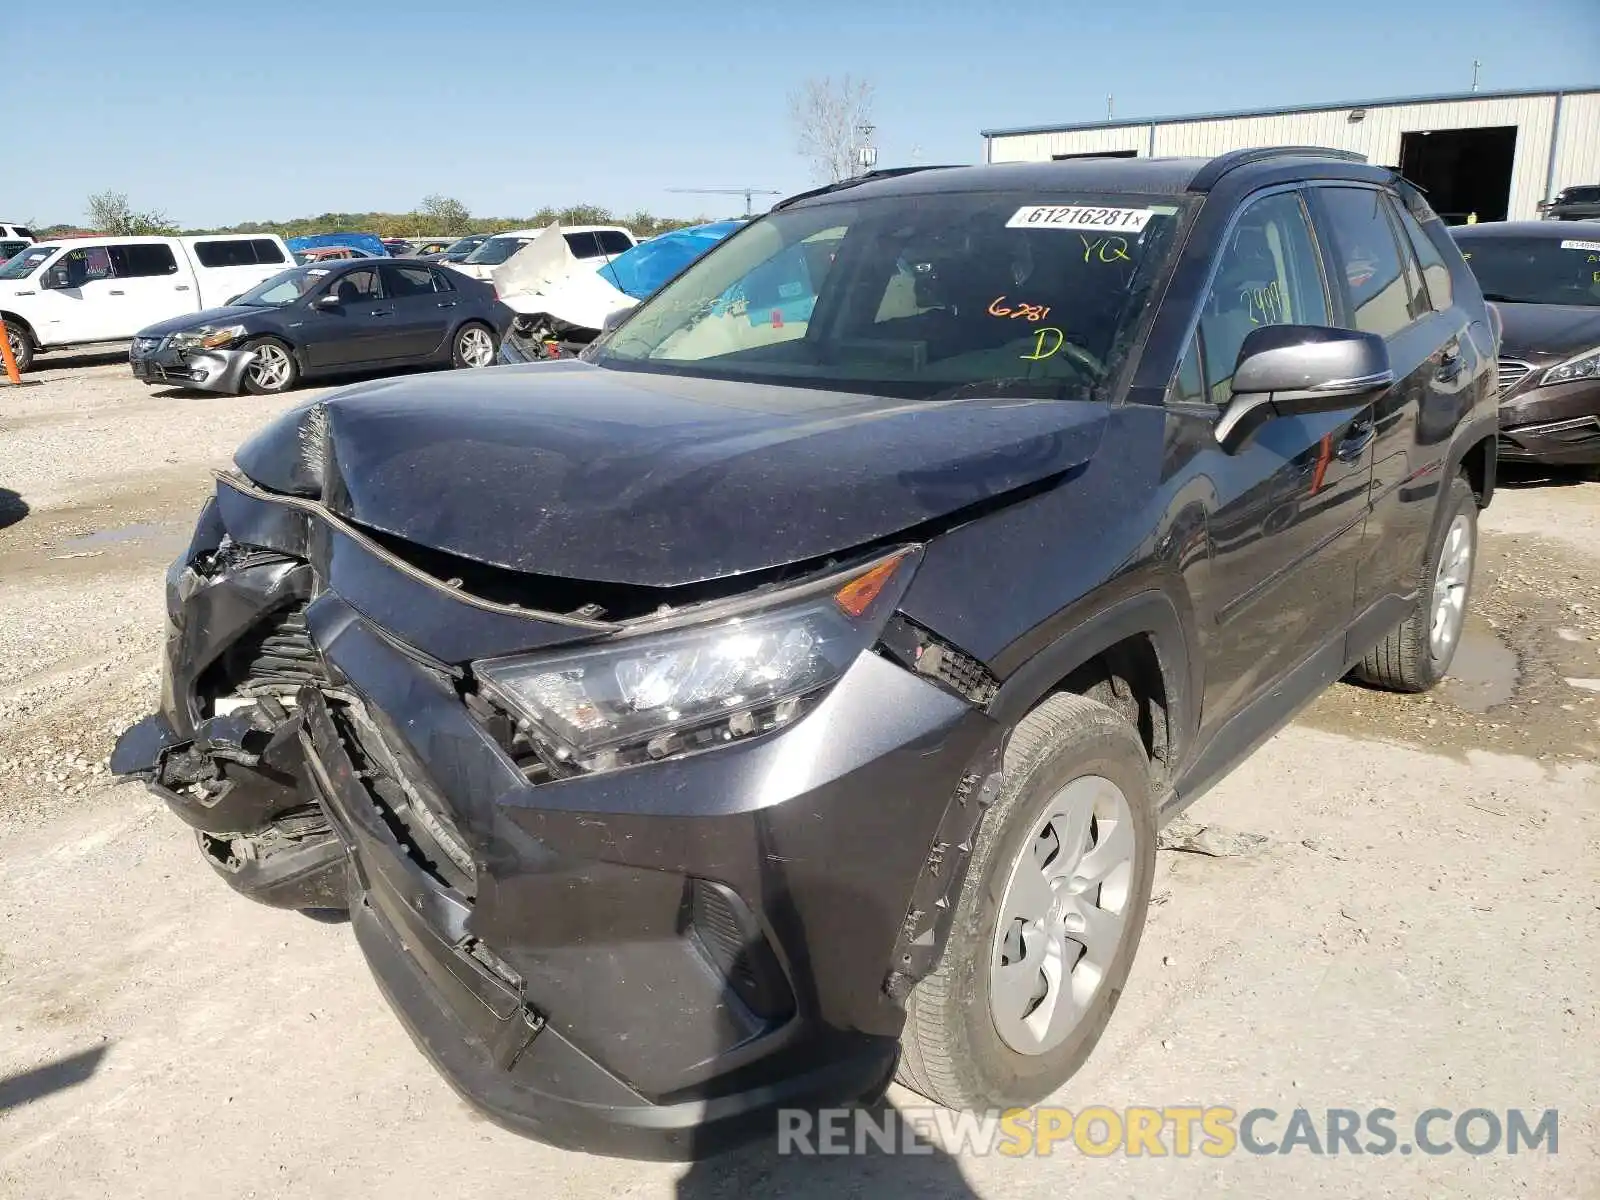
x=1497, y=298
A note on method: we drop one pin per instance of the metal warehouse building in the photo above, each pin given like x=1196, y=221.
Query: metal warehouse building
x=1492, y=155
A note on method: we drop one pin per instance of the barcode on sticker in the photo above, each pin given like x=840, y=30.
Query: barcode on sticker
x=1580, y=245
x=1080, y=216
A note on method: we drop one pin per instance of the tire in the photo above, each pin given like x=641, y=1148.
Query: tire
x=1410, y=658
x=23, y=348
x=467, y=347
x=258, y=381
x=953, y=1050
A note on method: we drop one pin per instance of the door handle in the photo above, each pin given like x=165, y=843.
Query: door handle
x=445, y=304
x=1356, y=440
x=381, y=312
x=116, y=293
x=182, y=287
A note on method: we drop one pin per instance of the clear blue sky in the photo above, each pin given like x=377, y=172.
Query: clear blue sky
x=240, y=112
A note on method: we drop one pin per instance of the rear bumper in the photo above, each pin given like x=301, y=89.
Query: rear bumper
x=644, y=962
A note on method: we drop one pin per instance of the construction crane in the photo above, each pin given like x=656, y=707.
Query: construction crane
x=746, y=192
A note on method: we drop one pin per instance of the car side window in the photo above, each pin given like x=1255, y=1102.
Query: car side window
x=354, y=287
x=1435, y=275
x=409, y=281
x=1268, y=273
x=1188, y=385
x=87, y=264
x=1420, y=305
x=441, y=281
x=613, y=241
x=1371, y=272
x=583, y=245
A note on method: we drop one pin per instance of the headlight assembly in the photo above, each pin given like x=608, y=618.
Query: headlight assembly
x=208, y=337
x=1582, y=366
x=656, y=695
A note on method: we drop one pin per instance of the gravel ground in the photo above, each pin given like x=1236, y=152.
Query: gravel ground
x=1412, y=924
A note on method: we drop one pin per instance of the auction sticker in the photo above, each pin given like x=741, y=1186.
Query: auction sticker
x=1580, y=245
x=1077, y=216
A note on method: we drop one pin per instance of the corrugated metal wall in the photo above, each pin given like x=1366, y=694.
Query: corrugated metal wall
x=1578, y=141
x=1377, y=136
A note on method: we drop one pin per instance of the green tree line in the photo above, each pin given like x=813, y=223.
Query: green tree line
x=110, y=212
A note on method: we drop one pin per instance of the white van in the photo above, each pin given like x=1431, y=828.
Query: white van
x=106, y=289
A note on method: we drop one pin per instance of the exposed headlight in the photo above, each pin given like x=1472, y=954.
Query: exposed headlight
x=652, y=696
x=1584, y=366
x=208, y=337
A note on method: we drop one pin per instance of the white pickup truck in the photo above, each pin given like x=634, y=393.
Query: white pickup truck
x=105, y=289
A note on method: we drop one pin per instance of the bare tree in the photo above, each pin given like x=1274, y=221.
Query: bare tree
x=444, y=214
x=110, y=212
x=828, y=116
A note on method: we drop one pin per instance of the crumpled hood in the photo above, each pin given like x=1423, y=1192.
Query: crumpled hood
x=232, y=315
x=1545, y=333
x=584, y=472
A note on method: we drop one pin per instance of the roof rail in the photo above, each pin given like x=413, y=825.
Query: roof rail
x=854, y=180
x=1206, y=178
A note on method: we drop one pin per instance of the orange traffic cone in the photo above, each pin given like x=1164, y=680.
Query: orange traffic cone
x=14, y=375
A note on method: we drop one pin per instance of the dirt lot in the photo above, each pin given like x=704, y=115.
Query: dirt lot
x=1416, y=928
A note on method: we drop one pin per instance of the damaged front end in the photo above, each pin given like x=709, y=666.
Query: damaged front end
x=224, y=750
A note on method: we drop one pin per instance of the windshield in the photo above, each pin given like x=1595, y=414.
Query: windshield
x=640, y=271
x=1539, y=270
x=25, y=263
x=1579, y=195
x=464, y=247
x=913, y=296
x=496, y=250
x=283, y=288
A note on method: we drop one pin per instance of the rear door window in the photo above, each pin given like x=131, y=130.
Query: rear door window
x=405, y=282
x=138, y=261
x=1435, y=274
x=583, y=245
x=225, y=254
x=614, y=241
x=1371, y=273
x=267, y=251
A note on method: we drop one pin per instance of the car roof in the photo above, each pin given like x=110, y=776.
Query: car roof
x=1138, y=176
x=564, y=229
x=1529, y=229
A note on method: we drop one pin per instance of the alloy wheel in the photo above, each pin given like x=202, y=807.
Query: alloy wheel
x=271, y=368
x=1450, y=580
x=476, y=347
x=1062, y=915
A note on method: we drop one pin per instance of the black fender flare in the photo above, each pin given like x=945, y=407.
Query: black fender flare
x=1152, y=612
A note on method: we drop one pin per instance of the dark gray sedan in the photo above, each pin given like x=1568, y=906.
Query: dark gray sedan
x=336, y=318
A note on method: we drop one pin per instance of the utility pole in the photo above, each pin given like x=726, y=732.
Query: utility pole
x=1110, y=106
x=1475, y=65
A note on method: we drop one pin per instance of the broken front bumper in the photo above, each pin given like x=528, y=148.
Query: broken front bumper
x=646, y=961
x=201, y=370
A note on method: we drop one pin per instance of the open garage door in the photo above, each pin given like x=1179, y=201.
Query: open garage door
x=1465, y=172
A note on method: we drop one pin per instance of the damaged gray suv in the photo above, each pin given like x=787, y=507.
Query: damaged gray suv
x=784, y=695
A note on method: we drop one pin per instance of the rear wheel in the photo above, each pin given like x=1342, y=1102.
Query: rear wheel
x=475, y=346
x=274, y=369
x=1417, y=653
x=22, y=346
x=1049, y=917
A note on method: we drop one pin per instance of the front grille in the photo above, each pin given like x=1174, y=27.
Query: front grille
x=1512, y=372
x=279, y=650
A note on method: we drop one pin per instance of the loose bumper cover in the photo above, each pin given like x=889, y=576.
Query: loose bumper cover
x=647, y=961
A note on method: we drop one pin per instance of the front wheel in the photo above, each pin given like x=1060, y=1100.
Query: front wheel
x=1417, y=653
x=274, y=370
x=1049, y=918
x=475, y=346
x=22, y=346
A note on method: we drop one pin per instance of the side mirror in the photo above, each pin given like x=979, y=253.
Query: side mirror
x=57, y=278
x=1292, y=370
x=326, y=301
